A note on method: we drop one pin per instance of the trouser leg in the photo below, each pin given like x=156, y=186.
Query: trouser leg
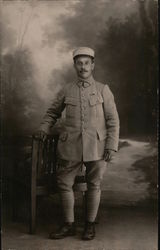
x=94, y=175
x=67, y=201
x=92, y=204
x=66, y=173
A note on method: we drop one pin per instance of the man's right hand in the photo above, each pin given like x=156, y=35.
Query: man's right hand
x=40, y=134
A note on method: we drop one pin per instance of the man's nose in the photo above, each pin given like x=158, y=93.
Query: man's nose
x=82, y=66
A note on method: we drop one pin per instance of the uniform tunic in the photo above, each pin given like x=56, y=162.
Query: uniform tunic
x=91, y=123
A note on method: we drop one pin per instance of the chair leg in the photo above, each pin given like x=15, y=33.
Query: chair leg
x=33, y=212
x=14, y=201
x=33, y=187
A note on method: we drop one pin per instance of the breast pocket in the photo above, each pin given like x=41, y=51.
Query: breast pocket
x=96, y=102
x=95, y=99
x=71, y=104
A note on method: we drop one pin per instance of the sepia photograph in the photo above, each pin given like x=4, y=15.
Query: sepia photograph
x=79, y=124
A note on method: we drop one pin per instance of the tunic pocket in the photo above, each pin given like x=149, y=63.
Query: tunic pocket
x=95, y=99
x=71, y=104
x=70, y=101
x=96, y=104
x=102, y=134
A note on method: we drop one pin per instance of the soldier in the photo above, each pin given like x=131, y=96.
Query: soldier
x=90, y=137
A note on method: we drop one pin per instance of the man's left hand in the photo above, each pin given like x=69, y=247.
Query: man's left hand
x=109, y=155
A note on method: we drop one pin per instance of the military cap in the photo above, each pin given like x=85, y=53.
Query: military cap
x=83, y=51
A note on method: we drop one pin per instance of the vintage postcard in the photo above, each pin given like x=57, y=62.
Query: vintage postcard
x=79, y=147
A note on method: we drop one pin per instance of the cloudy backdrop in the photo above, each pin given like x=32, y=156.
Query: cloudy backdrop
x=37, y=42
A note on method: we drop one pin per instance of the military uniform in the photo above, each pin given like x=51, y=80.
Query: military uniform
x=91, y=126
x=91, y=123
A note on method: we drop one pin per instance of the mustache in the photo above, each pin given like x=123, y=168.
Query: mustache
x=83, y=71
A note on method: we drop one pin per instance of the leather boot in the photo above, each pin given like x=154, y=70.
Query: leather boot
x=89, y=231
x=68, y=229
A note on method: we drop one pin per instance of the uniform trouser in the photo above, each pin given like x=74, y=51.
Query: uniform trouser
x=66, y=173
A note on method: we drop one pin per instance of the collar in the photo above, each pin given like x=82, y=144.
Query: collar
x=85, y=82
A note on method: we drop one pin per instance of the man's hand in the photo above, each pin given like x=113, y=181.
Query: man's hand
x=40, y=135
x=109, y=155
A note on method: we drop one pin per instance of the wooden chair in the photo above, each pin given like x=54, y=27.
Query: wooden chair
x=43, y=168
x=43, y=173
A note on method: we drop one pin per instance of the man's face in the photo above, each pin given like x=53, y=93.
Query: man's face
x=84, y=66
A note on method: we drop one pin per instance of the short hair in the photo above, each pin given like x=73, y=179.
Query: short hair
x=76, y=57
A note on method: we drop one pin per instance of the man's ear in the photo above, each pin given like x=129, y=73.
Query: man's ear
x=74, y=64
x=93, y=65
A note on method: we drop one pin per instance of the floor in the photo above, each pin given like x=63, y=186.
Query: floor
x=127, y=218
x=120, y=228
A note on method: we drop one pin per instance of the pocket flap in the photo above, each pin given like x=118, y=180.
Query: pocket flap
x=95, y=99
x=102, y=134
x=71, y=101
